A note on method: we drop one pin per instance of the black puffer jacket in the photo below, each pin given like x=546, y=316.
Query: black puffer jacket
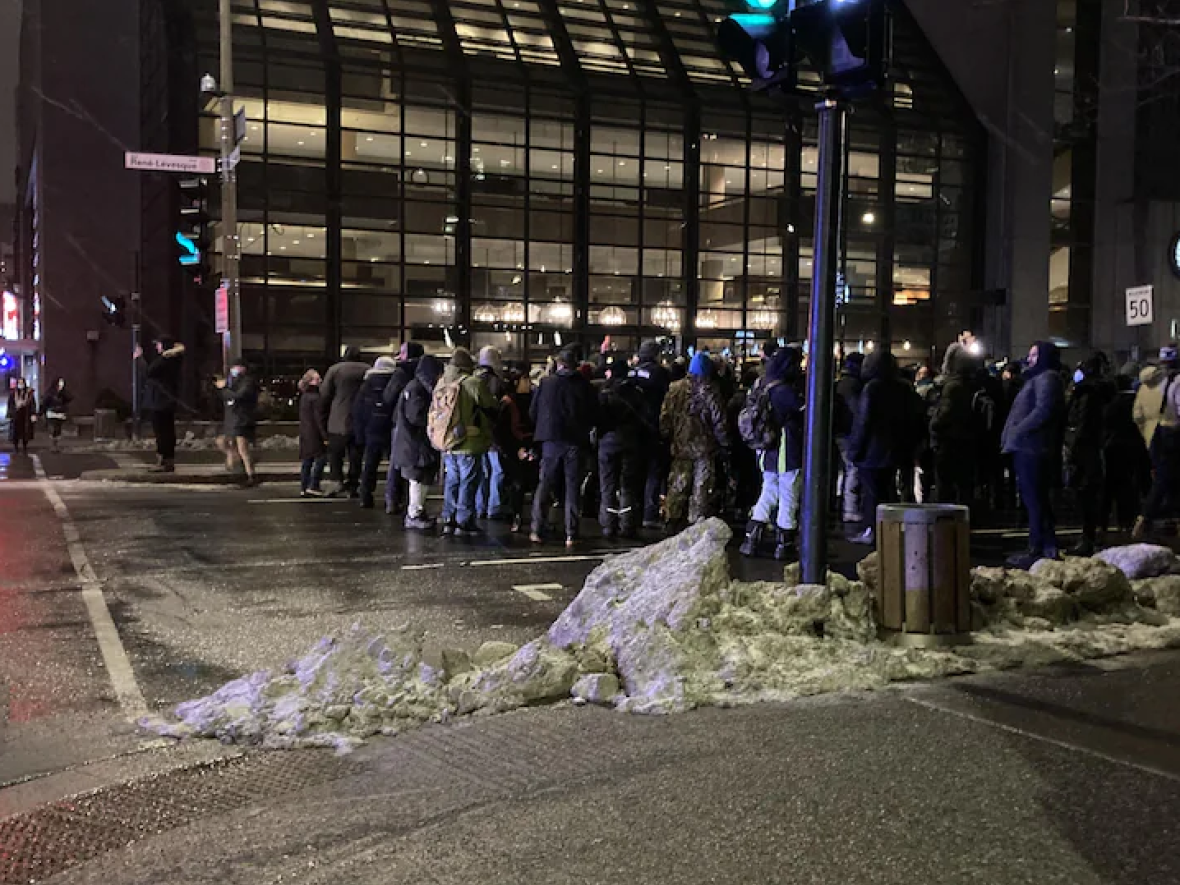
x=888, y=428
x=240, y=396
x=953, y=427
x=412, y=453
x=564, y=408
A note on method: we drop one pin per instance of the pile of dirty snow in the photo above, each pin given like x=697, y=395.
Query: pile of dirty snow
x=665, y=629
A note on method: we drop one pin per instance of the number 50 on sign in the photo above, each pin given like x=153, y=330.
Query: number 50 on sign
x=1140, y=310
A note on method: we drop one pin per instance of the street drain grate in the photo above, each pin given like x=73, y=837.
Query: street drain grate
x=52, y=839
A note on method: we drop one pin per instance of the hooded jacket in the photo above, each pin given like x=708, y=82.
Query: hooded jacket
x=339, y=390
x=692, y=419
x=312, y=433
x=1149, y=400
x=1036, y=424
x=889, y=423
x=476, y=410
x=412, y=452
x=784, y=372
x=1085, y=417
x=403, y=374
x=372, y=416
x=953, y=427
x=161, y=377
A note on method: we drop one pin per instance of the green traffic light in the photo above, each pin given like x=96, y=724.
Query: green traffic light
x=761, y=4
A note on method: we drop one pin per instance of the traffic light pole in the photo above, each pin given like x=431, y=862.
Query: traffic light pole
x=231, y=342
x=817, y=459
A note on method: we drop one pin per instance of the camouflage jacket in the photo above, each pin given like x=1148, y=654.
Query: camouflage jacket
x=692, y=419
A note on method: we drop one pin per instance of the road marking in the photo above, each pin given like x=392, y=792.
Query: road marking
x=418, y=568
x=536, y=592
x=113, y=654
x=293, y=500
x=1033, y=736
x=527, y=560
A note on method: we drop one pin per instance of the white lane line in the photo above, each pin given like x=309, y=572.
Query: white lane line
x=424, y=566
x=536, y=592
x=113, y=654
x=294, y=500
x=528, y=560
x=20, y=485
x=1033, y=736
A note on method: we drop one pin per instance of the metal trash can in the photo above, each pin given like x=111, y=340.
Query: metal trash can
x=924, y=596
x=107, y=424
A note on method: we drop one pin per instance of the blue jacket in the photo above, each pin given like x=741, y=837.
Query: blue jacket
x=1036, y=424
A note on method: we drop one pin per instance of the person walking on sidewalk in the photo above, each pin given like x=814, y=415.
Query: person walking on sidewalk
x=1033, y=436
x=313, y=436
x=693, y=422
x=239, y=393
x=56, y=408
x=22, y=415
x=338, y=393
x=412, y=454
x=460, y=426
x=161, y=393
x=372, y=424
x=563, y=410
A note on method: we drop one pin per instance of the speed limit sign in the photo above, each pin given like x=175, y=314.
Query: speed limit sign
x=1140, y=310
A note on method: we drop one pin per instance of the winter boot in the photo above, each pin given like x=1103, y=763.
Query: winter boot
x=784, y=549
x=754, y=530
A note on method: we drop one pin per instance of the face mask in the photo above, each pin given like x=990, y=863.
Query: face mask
x=1078, y=376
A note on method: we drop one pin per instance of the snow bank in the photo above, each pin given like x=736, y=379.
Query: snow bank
x=665, y=629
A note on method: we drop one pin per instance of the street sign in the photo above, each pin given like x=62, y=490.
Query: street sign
x=234, y=158
x=1140, y=306
x=221, y=309
x=239, y=126
x=170, y=163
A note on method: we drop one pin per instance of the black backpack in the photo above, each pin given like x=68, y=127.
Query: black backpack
x=756, y=424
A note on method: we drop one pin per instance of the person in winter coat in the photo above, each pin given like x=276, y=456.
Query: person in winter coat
x=56, y=408
x=1084, y=432
x=239, y=394
x=626, y=429
x=1164, y=495
x=885, y=436
x=407, y=367
x=954, y=430
x=412, y=453
x=490, y=371
x=372, y=425
x=22, y=415
x=464, y=462
x=337, y=395
x=514, y=440
x=1033, y=437
x=692, y=421
x=653, y=379
x=161, y=393
x=564, y=411
x=313, y=436
x=1149, y=400
x=782, y=468
x=848, y=390
x=1128, y=467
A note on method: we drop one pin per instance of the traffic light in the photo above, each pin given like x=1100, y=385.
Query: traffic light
x=192, y=233
x=846, y=40
x=760, y=42
x=114, y=310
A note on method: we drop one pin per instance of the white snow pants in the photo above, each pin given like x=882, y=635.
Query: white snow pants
x=781, y=490
x=417, y=505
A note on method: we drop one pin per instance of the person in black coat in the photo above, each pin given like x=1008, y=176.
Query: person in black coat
x=653, y=379
x=885, y=435
x=239, y=394
x=56, y=406
x=1128, y=467
x=513, y=434
x=1084, y=433
x=564, y=411
x=161, y=392
x=625, y=430
x=848, y=390
x=953, y=429
x=372, y=425
x=313, y=435
x=407, y=366
x=412, y=454
x=22, y=415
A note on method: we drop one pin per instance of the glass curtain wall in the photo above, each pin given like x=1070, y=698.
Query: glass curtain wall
x=526, y=173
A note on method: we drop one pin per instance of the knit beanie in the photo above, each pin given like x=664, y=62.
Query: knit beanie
x=701, y=365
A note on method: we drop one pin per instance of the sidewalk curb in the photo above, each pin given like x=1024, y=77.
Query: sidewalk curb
x=146, y=477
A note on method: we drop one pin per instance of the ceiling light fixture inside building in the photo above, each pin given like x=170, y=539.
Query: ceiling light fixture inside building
x=560, y=313
x=513, y=313
x=868, y=218
x=485, y=313
x=612, y=316
x=707, y=319
x=667, y=316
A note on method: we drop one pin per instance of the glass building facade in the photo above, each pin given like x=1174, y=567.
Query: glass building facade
x=529, y=172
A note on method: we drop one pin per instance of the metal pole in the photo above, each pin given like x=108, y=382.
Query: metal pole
x=231, y=342
x=817, y=457
x=136, y=330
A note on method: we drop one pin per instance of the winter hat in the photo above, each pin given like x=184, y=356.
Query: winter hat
x=385, y=364
x=649, y=351
x=770, y=348
x=570, y=357
x=351, y=354
x=701, y=366
x=461, y=359
x=490, y=358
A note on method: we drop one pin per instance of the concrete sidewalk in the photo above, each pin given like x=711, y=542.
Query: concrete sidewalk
x=190, y=474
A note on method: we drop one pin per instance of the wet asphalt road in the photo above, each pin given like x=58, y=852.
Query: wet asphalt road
x=1070, y=775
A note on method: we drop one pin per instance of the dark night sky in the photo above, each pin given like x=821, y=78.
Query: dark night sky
x=9, y=58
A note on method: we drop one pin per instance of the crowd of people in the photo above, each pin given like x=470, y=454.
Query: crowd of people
x=654, y=443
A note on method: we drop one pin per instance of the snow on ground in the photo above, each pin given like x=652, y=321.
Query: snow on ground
x=664, y=629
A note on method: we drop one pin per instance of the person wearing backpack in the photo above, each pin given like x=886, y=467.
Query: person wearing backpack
x=372, y=424
x=954, y=429
x=626, y=428
x=412, y=453
x=772, y=423
x=564, y=409
x=1084, y=432
x=460, y=426
x=1164, y=449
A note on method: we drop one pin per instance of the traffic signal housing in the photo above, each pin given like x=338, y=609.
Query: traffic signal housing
x=193, y=227
x=846, y=40
x=760, y=42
